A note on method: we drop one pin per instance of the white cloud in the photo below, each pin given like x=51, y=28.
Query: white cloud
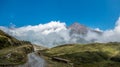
x=112, y=35
x=98, y=29
x=56, y=33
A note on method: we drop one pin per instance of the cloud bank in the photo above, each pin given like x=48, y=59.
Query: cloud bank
x=56, y=33
x=50, y=34
x=112, y=35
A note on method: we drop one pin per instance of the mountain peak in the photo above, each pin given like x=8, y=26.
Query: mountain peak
x=78, y=28
x=76, y=24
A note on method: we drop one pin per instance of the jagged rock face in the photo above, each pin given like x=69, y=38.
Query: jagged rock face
x=77, y=28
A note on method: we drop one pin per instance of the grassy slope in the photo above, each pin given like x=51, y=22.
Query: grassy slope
x=89, y=55
x=13, y=51
x=15, y=55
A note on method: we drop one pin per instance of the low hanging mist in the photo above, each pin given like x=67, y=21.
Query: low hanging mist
x=56, y=33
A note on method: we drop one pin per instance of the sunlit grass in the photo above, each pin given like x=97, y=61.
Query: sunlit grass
x=88, y=55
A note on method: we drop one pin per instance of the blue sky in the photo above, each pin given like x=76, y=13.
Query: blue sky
x=92, y=13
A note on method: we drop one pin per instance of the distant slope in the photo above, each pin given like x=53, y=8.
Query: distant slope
x=13, y=51
x=88, y=55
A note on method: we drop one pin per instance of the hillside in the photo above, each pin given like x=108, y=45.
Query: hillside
x=13, y=51
x=84, y=55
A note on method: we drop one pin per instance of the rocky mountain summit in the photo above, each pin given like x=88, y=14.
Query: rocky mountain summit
x=77, y=28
